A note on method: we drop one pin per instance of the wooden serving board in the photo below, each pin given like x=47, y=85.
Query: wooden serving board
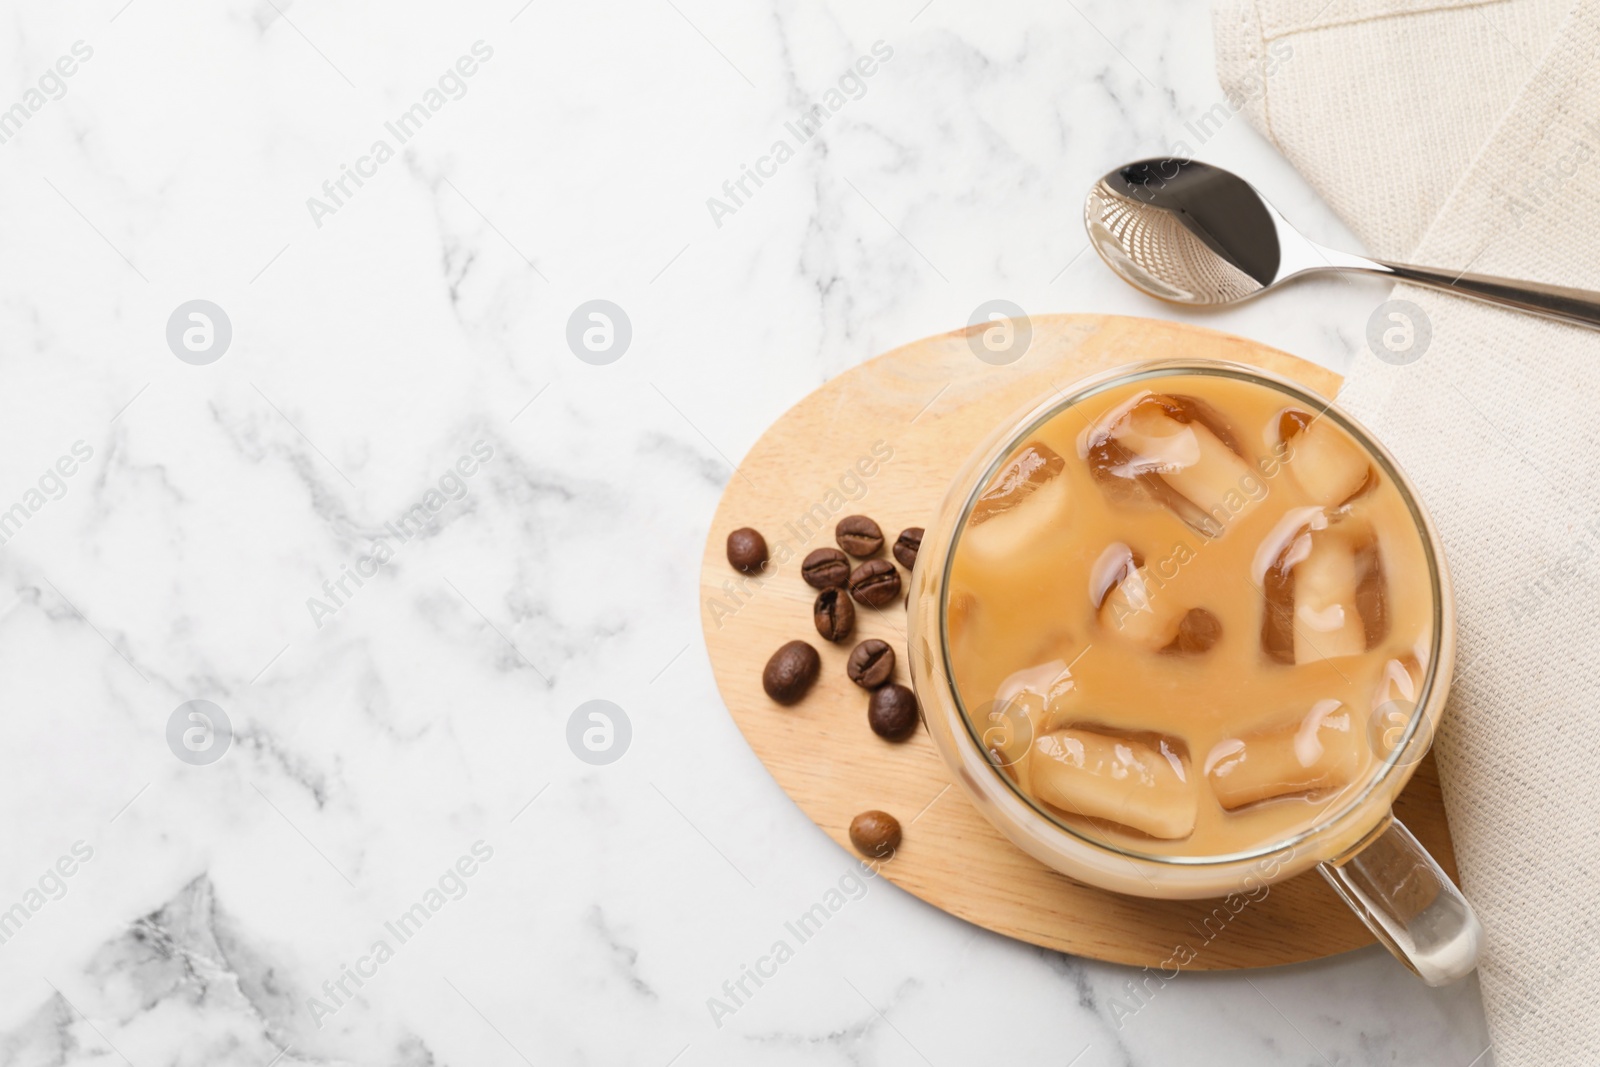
x=911, y=416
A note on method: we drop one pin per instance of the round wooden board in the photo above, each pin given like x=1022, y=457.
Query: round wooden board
x=910, y=417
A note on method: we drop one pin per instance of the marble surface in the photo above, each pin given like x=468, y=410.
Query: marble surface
x=399, y=771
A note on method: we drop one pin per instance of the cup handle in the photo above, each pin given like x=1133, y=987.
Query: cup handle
x=1391, y=882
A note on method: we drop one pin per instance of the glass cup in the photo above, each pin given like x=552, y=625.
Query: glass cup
x=1369, y=857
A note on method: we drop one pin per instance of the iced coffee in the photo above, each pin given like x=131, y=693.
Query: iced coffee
x=1185, y=613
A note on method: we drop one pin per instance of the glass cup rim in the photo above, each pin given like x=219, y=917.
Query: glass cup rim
x=1089, y=386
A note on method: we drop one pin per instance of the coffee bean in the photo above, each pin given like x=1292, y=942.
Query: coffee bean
x=875, y=834
x=834, y=615
x=1198, y=631
x=875, y=583
x=825, y=568
x=871, y=663
x=906, y=546
x=892, y=712
x=747, y=550
x=790, y=672
x=858, y=535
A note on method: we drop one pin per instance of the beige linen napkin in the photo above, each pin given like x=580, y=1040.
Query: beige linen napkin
x=1468, y=136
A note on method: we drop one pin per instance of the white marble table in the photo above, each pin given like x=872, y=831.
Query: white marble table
x=399, y=747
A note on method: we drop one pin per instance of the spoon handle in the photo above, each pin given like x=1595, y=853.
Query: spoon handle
x=1581, y=306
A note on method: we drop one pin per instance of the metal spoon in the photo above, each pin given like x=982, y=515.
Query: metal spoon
x=1196, y=234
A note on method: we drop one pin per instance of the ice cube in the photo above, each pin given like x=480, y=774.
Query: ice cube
x=1321, y=751
x=1131, y=783
x=1128, y=477
x=1023, y=500
x=1051, y=680
x=1322, y=459
x=1029, y=703
x=1325, y=589
x=1198, y=632
x=1142, y=612
x=1008, y=727
x=1277, y=617
x=1024, y=707
x=1181, y=455
x=1327, y=620
x=1372, y=588
x=1115, y=563
x=1273, y=569
x=1394, y=703
x=1029, y=470
x=1400, y=682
